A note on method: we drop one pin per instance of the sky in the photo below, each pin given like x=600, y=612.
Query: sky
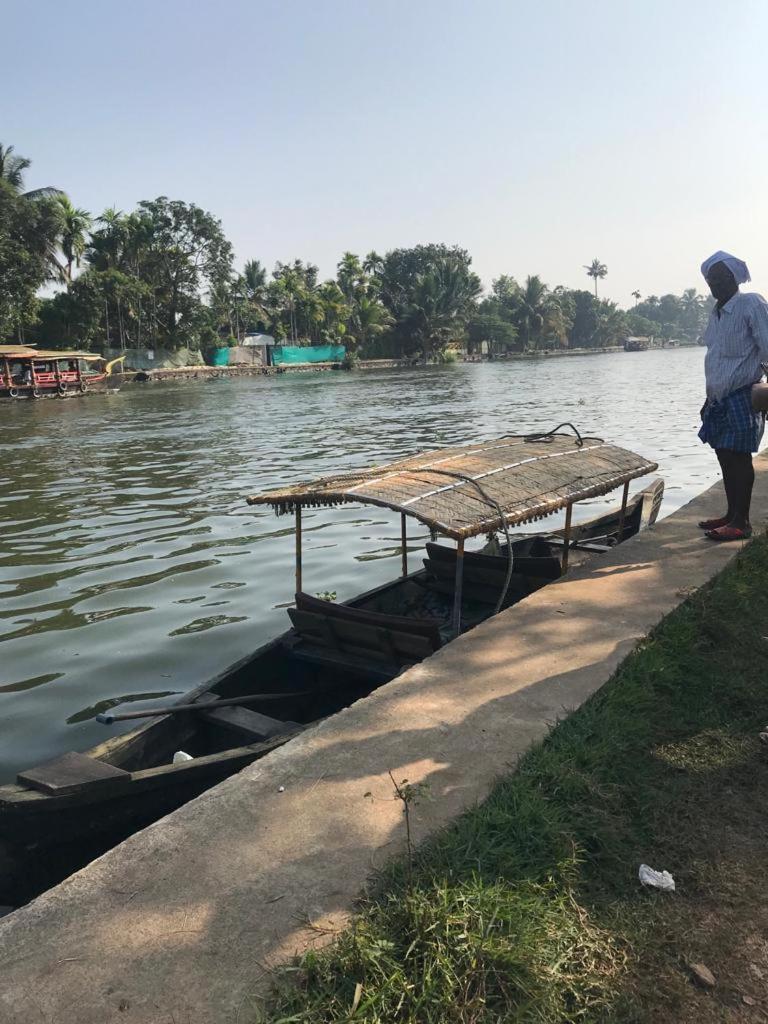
x=537, y=135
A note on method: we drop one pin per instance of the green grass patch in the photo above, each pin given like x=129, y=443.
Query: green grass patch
x=528, y=908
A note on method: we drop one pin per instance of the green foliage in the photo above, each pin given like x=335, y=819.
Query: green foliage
x=446, y=356
x=488, y=325
x=28, y=232
x=430, y=293
x=527, y=908
x=162, y=277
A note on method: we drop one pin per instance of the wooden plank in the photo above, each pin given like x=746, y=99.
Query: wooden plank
x=360, y=635
x=531, y=557
x=402, y=624
x=485, y=577
x=361, y=666
x=249, y=723
x=72, y=773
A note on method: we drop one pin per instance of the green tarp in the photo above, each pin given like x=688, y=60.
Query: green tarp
x=282, y=354
x=220, y=357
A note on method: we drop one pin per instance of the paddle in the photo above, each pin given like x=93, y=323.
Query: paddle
x=107, y=717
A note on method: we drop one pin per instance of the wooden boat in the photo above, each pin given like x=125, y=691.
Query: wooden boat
x=334, y=654
x=31, y=373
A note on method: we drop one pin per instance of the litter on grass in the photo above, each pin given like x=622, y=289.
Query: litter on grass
x=656, y=879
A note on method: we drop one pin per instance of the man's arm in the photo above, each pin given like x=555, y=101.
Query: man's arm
x=758, y=325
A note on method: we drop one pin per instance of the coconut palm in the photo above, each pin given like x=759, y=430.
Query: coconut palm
x=533, y=307
x=253, y=285
x=12, y=168
x=75, y=224
x=636, y=296
x=595, y=270
x=349, y=274
x=438, y=305
x=369, y=318
x=373, y=264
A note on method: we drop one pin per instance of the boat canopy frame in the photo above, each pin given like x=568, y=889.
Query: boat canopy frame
x=465, y=491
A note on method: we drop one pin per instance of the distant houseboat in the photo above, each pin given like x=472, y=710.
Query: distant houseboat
x=31, y=373
x=636, y=344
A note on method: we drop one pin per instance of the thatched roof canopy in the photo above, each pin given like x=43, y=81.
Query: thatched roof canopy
x=24, y=352
x=463, y=491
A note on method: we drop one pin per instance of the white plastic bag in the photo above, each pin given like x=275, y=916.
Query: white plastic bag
x=656, y=879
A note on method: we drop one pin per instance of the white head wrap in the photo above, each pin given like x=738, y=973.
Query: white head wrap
x=737, y=267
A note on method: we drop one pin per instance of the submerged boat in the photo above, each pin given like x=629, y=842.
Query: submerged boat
x=31, y=373
x=334, y=654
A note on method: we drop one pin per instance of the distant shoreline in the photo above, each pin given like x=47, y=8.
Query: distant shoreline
x=212, y=372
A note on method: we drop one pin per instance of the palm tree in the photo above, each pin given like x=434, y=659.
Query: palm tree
x=373, y=264
x=693, y=310
x=12, y=167
x=349, y=274
x=75, y=224
x=439, y=303
x=254, y=288
x=533, y=308
x=596, y=269
x=636, y=296
x=369, y=318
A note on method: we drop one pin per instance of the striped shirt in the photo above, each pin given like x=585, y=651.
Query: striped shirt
x=737, y=342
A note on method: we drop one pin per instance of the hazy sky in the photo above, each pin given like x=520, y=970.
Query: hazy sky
x=536, y=135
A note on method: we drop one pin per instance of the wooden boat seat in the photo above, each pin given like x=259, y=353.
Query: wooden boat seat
x=356, y=637
x=484, y=575
x=426, y=627
x=73, y=773
x=247, y=724
x=532, y=557
x=375, y=672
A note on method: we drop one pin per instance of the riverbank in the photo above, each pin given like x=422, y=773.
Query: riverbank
x=529, y=906
x=184, y=919
x=185, y=373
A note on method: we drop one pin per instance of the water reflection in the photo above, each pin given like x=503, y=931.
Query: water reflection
x=123, y=515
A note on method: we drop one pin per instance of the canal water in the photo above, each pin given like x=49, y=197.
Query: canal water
x=131, y=568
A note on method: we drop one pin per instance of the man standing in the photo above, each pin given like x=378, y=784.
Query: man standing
x=737, y=340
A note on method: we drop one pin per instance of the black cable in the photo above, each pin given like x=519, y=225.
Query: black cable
x=549, y=436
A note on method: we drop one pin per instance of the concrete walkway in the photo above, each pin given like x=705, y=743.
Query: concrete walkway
x=177, y=925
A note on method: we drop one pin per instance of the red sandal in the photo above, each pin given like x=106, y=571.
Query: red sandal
x=713, y=524
x=729, y=533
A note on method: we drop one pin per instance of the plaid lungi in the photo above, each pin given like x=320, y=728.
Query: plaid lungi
x=732, y=423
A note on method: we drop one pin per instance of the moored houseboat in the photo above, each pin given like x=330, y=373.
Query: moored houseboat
x=27, y=372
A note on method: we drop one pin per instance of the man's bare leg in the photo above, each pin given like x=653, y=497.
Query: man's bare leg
x=738, y=480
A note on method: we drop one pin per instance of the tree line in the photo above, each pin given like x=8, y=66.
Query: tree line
x=163, y=276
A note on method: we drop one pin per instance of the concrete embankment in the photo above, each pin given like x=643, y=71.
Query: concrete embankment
x=184, y=373
x=179, y=922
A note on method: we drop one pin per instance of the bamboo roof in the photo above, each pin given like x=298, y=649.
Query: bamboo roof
x=468, y=490
x=25, y=352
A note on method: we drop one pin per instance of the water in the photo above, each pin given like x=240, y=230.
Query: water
x=131, y=568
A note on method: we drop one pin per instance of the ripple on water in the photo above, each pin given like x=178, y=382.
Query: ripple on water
x=123, y=515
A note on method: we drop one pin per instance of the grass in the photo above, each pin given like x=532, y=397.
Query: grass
x=528, y=908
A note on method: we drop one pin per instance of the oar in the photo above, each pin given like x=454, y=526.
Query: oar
x=107, y=717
